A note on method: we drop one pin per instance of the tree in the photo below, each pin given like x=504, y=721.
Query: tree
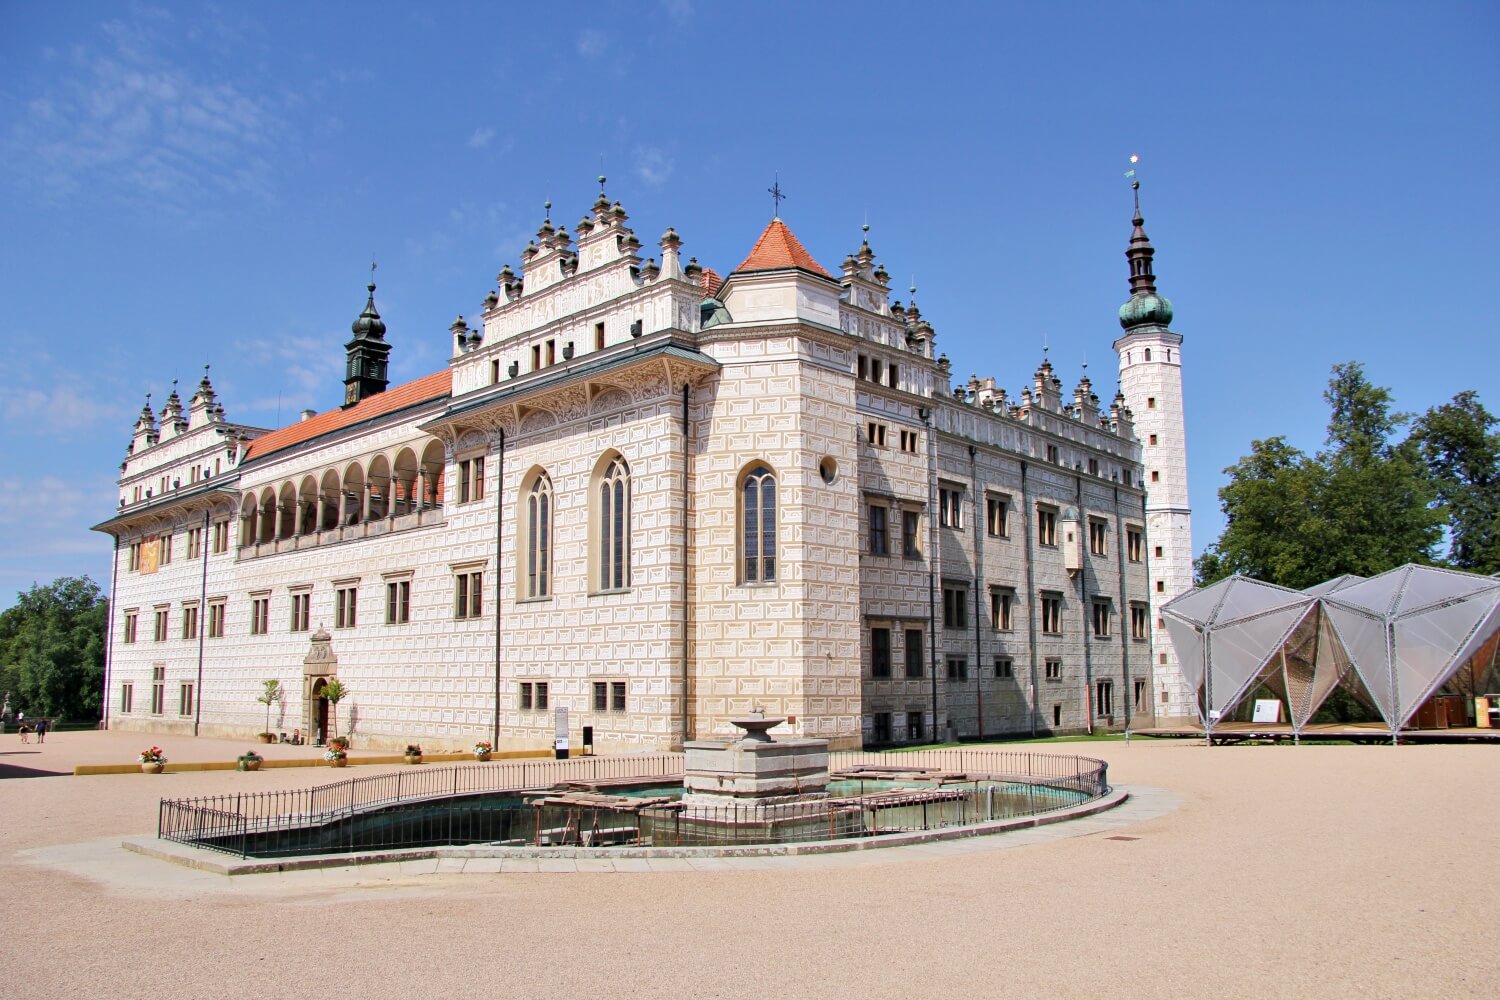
x=335, y=692
x=52, y=649
x=1362, y=505
x=268, y=697
x=1462, y=454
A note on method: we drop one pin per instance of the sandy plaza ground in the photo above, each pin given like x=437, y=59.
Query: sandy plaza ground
x=1271, y=872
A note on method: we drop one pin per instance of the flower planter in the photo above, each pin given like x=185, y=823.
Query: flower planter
x=339, y=762
x=249, y=765
x=151, y=767
x=414, y=758
x=482, y=757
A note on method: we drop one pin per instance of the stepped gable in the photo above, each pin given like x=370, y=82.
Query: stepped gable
x=778, y=248
x=428, y=387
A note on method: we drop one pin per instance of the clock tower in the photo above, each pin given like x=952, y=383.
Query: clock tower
x=364, y=373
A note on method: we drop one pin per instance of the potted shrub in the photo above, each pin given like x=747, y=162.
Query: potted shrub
x=250, y=761
x=337, y=753
x=268, y=697
x=413, y=753
x=153, y=760
x=482, y=750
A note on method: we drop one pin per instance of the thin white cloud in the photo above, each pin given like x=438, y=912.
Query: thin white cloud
x=481, y=137
x=653, y=165
x=127, y=112
x=592, y=43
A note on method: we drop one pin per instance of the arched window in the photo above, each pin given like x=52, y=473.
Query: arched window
x=758, y=524
x=614, y=526
x=539, y=537
x=1148, y=354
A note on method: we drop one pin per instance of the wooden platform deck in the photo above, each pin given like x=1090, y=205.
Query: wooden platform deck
x=1367, y=732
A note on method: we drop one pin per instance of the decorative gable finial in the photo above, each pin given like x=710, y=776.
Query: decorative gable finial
x=777, y=197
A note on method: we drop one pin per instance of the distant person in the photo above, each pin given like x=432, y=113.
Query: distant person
x=296, y=737
x=25, y=732
x=41, y=731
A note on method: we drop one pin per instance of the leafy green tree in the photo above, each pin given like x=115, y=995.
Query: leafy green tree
x=52, y=649
x=1462, y=453
x=1363, y=505
x=335, y=692
x=269, y=695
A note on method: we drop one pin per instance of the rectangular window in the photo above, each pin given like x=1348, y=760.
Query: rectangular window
x=875, y=365
x=130, y=625
x=127, y=697
x=1104, y=698
x=1004, y=668
x=1150, y=402
x=882, y=729
x=468, y=594
x=398, y=602
x=1138, y=621
x=260, y=615
x=190, y=621
x=617, y=696
x=1158, y=551
x=471, y=479
x=345, y=607
x=551, y=353
x=913, y=724
x=1046, y=526
x=216, y=620
x=158, y=690
x=1155, y=476
x=909, y=442
x=525, y=696
x=601, y=696
x=1002, y=610
x=891, y=376
x=165, y=555
x=194, y=542
x=996, y=509
x=541, y=696
x=1098, y=537
x=951, y=507
x=1053, y=669
x=1134, y=547
x=879, y=544
x=958, y=668
x=1140, y=696
x=135, y=557
x=1153, y=439
x=914, y=652
x=910, y=525
x=880, y=652
x=301, y=611
x=955, y=606
x=159, y=628
x=862, y=367
x=1101, y=613
x=185, y=699
x=1052, y=614
x=536, y=357
x=599, y=336
x=1093, y=466
x=875, y=434
x=221, y=537
x=1053, y=455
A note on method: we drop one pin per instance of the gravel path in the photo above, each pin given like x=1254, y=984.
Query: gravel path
x=1286, y=872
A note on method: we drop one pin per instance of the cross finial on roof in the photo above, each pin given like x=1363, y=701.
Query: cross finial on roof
x=776, y=196
x=372, y=272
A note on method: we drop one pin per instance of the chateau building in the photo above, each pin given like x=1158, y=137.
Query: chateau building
x=658, y=498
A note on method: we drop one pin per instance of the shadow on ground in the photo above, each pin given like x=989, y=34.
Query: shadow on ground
x=11, y=767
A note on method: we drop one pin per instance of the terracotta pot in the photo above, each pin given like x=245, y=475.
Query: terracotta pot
x=414, y=758
x=339, y=762
x=249, y=765
x=266, y=738
x=482, y=756
x=151, y=768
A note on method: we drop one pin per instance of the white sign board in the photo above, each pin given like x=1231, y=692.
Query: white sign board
x=560, y=737
x=1267, y=710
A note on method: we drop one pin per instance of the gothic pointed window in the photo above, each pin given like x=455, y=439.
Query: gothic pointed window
x=538, y=526
x=612, y=495
x=758, y=524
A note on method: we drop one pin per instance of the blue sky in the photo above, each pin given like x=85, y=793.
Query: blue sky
x=191, y=183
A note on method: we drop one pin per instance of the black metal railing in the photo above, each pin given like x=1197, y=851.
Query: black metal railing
x=507, y=804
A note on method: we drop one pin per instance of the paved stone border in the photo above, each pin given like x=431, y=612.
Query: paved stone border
x=268, y=763
x=222, y=864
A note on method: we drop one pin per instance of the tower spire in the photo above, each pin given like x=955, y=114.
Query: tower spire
x=1146, y=307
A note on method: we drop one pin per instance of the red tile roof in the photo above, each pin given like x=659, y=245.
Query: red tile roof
x=778, y=247
x=711, y=281
x=397, y=397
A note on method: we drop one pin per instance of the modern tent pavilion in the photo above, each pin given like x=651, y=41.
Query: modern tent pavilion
x=1394, y=639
